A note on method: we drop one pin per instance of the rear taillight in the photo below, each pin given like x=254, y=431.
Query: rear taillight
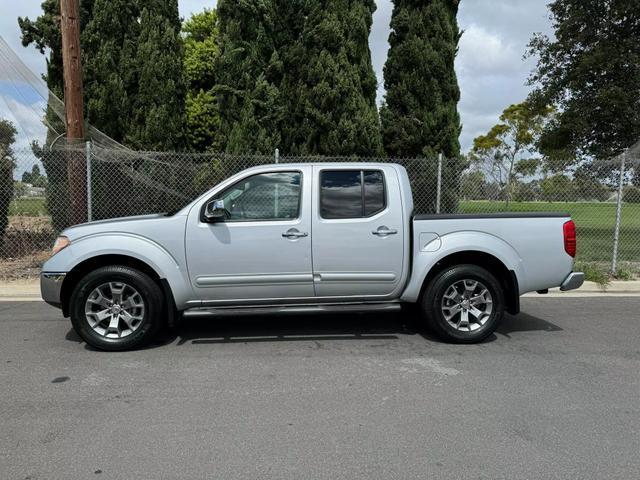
x=569, y=231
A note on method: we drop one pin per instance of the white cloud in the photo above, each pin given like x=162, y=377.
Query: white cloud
x=484, y=53
x=491, y=70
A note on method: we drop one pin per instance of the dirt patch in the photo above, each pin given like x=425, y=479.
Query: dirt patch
x=22, y=268
x=25, y=247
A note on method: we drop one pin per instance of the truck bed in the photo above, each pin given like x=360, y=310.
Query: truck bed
x=529, y=244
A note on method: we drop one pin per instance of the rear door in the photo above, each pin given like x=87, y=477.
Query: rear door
x=358, y=231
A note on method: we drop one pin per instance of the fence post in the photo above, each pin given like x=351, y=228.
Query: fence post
x=88, y=156
x=439, y=184
x=616, y=232
x=276, y=155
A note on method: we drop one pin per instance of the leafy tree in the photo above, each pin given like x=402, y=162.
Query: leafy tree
x=34, y=177
x=631, y=194
x=328, y=86
x=590, y=70
x=557, y=188
x=473, y=185
x=200, y=56
x=587, y=186
x=504, y=151
x=419, y=116
x=8, y=134
x=527, y=191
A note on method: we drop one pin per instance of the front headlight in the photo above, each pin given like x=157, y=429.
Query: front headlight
x=60, y=243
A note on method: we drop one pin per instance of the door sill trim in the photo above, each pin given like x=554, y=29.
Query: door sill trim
x=292, y=309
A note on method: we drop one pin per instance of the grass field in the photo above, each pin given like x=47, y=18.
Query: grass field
x=595, y=223
x=28, y=207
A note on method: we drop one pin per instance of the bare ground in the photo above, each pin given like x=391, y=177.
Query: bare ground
x=26, y=246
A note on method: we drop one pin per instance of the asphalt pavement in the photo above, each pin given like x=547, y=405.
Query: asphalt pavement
x=554, y=394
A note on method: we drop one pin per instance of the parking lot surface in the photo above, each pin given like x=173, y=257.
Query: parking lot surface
x=554, y=394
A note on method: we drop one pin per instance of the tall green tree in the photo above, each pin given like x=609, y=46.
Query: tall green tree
x=132, y=67
x=590, y=70
x=247, y=91
x=507, y=151
x=7, y=164
x=200, y=56
x=419, y=116
x=297, y=75
x=329, y=86
x=110, y=70
x=133, y=87
x=157, y=121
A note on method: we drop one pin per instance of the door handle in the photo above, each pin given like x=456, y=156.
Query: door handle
x=294, y=233
x=383, y=231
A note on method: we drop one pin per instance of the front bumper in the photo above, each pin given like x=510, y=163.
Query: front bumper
x=574, y=280
x=50, y=287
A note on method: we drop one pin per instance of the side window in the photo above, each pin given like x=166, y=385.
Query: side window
x=265, y=196
x=351, y=193
x=374, y=197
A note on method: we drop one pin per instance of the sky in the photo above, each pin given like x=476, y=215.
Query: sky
x=491, y=70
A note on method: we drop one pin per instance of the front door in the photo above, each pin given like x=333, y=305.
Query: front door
x=261, y=251
x=358, y=232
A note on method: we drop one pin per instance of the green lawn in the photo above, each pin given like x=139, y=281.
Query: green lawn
x=594, y=223
x=30, y=207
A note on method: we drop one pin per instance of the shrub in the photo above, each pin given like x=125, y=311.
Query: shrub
x=631, y=194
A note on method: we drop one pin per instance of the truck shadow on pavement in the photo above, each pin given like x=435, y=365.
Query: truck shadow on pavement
x=325, y=328
x=337, y=327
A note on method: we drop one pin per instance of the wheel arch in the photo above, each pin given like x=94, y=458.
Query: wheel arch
x=492, y=264
x=84, y=267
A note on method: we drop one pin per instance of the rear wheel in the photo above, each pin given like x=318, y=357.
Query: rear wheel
x=464, y=304
x=117, y=308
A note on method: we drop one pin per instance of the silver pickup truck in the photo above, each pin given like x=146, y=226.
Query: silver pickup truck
x=296, y=238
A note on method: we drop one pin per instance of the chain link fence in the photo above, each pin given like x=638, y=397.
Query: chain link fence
x=36, y=196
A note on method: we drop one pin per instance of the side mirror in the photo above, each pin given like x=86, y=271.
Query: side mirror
x=215, y=211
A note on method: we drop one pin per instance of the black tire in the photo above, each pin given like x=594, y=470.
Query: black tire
x=152, y=316
x=432, y=304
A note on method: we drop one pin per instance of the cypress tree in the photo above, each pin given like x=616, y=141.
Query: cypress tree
x=158, y=105
x=134, y=90
x=328, y=86
x=246, y=91
x=110, y=72
x=420, y=117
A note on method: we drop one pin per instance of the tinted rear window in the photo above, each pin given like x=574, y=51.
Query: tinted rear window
x=351, y=193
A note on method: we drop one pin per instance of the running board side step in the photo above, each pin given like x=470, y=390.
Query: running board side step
x=291, y=309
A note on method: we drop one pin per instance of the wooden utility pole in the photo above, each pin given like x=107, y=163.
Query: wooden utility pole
x=73, y=107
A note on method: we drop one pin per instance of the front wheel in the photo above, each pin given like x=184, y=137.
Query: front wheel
x=116, y=308
x=464, y=304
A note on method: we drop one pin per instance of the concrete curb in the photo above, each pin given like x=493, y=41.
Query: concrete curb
x=20, y=290
x=29, y=290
